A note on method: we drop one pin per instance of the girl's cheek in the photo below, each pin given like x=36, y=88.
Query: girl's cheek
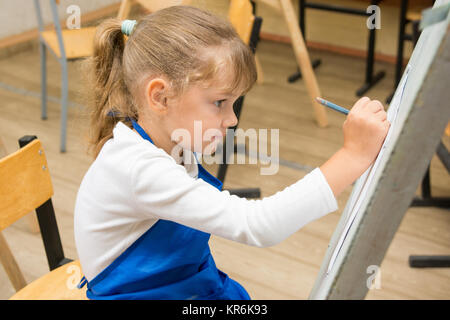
x=211, y=147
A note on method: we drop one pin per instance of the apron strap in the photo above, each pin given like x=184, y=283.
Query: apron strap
x=82, y=282
x=141, y=131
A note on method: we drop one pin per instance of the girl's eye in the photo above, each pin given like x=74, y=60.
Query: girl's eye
x=218, y=103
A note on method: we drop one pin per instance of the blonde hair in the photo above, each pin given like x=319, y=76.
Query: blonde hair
x=172, y=42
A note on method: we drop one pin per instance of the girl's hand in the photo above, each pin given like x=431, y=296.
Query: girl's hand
x=365, y=129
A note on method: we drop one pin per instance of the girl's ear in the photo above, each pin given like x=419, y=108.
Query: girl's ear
x=155, y=95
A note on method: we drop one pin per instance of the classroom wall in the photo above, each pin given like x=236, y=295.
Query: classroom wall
x=19, y=16
x=342, y=31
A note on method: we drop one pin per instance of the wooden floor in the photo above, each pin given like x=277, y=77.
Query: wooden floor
x=285, y=271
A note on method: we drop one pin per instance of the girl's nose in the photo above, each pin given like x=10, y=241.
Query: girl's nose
x=230, y=120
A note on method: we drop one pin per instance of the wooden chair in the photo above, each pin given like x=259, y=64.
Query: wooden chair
x=66, y=45
x=150, y=5
x=25, y=186
x=248, y=26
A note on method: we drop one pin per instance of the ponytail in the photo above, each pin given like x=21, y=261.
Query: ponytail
x=111, y=101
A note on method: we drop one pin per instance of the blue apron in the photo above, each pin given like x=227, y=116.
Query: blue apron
x=169, y=261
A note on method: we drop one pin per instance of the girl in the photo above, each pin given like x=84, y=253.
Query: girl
x=143, y=213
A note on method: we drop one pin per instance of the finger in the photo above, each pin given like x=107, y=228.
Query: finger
x=360, y=103
x=375, y=106
x=382, y=116
x=381, y=106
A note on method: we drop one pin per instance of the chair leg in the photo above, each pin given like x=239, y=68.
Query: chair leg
x=64, y=103
x=43, y=53
x=10, y=265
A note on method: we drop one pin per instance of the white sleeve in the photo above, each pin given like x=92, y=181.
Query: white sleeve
x=169, y=193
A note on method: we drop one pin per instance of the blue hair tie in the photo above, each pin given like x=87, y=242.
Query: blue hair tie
x=116, y=114
x=128, y=26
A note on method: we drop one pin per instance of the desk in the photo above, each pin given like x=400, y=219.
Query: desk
x=370, y=78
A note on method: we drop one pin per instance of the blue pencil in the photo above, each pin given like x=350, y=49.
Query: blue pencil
x=332, y=105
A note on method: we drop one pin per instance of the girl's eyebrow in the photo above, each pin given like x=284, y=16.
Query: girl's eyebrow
x=222, y=96
x=224, y=93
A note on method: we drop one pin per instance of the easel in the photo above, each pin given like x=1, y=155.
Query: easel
x=301, y=53
x=421, y=120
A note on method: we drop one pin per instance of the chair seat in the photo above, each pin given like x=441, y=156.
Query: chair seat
x=414, y=12
x=78, y=43
x=60, y=284
x=414, y=15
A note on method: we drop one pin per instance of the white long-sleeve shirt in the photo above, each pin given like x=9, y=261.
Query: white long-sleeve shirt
x=132, y=183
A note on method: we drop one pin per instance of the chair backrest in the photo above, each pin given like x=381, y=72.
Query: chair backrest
x=26, y=186
x=248, y=27
x=240, y=14
x=150, y=5
x=6, y=257
x=242, y=17
x=26, y=183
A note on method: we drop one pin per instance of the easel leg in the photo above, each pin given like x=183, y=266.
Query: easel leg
x=303, y=61
x=298, y=75
x=315, y=63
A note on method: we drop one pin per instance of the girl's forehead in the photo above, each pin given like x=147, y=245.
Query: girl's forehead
x=219, y=69
x=216, y=88
x=223, y=82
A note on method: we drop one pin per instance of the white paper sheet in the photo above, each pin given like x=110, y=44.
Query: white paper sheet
x=360, y=194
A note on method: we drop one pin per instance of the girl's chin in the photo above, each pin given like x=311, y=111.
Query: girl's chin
x=210, y=147
x=206, y=148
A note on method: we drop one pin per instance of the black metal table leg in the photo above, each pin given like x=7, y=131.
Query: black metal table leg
x=223, y=167
x=237, y=108
x=371, y=79
x=429, y=261
x=400, y=45
x=427, y=200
